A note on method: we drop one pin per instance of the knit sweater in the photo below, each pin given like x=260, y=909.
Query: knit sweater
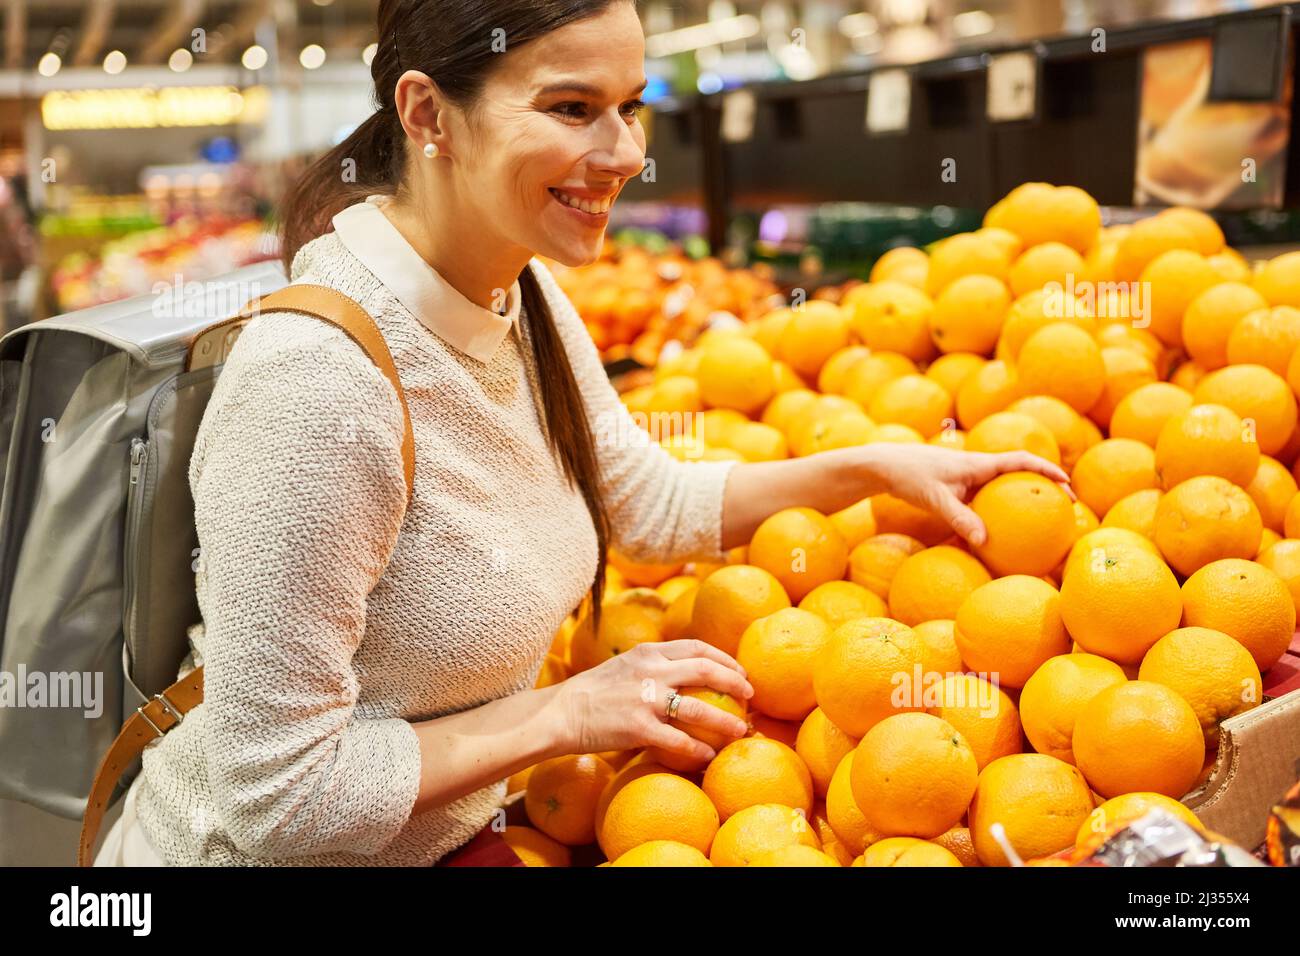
x=334, y=615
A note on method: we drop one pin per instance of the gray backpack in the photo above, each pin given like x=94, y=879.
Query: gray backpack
x=98, y=416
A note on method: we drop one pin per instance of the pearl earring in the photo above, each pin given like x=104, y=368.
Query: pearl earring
x=430, y=150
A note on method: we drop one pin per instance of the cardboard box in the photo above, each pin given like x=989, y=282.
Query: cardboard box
x=1258, y=759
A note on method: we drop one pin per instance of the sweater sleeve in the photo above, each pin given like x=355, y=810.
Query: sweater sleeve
x=299, y=494
x=661, y=510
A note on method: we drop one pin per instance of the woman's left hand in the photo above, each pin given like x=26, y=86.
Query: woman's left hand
x=942, y=480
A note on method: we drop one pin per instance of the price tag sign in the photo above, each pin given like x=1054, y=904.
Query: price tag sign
x=1012, y=86
x=889, y=101
x=738, y=109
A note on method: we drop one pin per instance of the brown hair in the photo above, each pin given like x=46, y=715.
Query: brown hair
x=452, y=41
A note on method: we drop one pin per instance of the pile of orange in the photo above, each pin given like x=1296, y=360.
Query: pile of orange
x=633, y=301
x=919, y=701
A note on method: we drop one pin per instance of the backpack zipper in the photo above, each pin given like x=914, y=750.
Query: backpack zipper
x=131, y=544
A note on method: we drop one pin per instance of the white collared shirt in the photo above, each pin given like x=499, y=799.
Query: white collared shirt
x=371, y=237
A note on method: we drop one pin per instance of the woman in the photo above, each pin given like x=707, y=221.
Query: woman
x=369, y=665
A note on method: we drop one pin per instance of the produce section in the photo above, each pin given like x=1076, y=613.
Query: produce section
x=1062, y=678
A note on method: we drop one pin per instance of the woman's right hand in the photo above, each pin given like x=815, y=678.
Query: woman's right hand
x=622, y=703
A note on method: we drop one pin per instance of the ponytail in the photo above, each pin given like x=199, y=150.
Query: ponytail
x=367, y=162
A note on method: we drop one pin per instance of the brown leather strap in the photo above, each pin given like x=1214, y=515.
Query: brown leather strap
x=339, y=310
x=151, y=720
x=165, y=710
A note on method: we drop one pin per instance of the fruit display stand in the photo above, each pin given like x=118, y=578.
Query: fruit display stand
x=1126, y=646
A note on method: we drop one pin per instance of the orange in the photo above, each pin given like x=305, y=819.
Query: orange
x=1120, y=335
x=968, y=313
x=756, y=770
x=1174, y=279
x=838, y=601
x=1137, y=512
x=822, y=746
x=1231, y=266
x=913, y=775
x=732, y=598
x=1187, y=375
x=897, y=433
x=1030, y=524
x=875, y=561
x=1040, y=802
x=1010, y=627
x=788, y=407
x=1266, y=541
x=834, y=431
x=1015, y=431
x=640, y=575
x=817, y=331
x=831, y=378
x=831, y=844
x=1053, y=697
x=1143, y=412
x=1126, y=808
x=1139, y=735
x=777, y=653
x=1260, y=396
x=1266, y=337
x=767, y=329
x=639, y=766
x=908, y=851
x=991, y=388
x=855, y=678
x=755, y=830
x=714, y=698
x=662, y=853
x=1126, y=371
x=939, y=654
x=915, y=401
x=1048, y=262
x=1093, y=545
x=1246, y=601
x=842, y=810
x=735, y=373
x=952, y=370
x=957, y=841
x=1112, y=469
x=1035, y=310
x=801, y=856
x=1041, y=212
x=1206, y=440
x=658, y=806
x=896, y=516
x=1206, y=519
x=1206, y=234
x=535, y=848
x=982, y=713
x=1065, y=361
x=1272, y=489
x=633, y=617
x=562, y=794
x=964, y=255
x=677, y=619
x=904, y=260
x=856, y=523
x=1291, y=518
x=674, y=587
x=755, y=441
x=1071, y=437
x=1211, y=671
x=1146, y=240
x=1279, y=280
x=953, y=438
x=1283, y=559
x=801, y=549
x=866, y=376
x=933, y=584
x=716, y=424
x=785, y=731
x=891, y=316
x=1117, y=599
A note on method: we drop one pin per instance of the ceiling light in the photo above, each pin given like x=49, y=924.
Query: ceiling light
x=49, y=64
x=312, y=56
x=115, y=62
x=180, y=60
x=254, y=57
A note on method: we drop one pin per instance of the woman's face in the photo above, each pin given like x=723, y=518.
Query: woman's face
x=556, y=135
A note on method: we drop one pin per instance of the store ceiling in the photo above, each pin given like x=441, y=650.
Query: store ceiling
x=81, y=32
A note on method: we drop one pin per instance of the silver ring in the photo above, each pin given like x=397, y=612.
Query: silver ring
x=674, y=701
